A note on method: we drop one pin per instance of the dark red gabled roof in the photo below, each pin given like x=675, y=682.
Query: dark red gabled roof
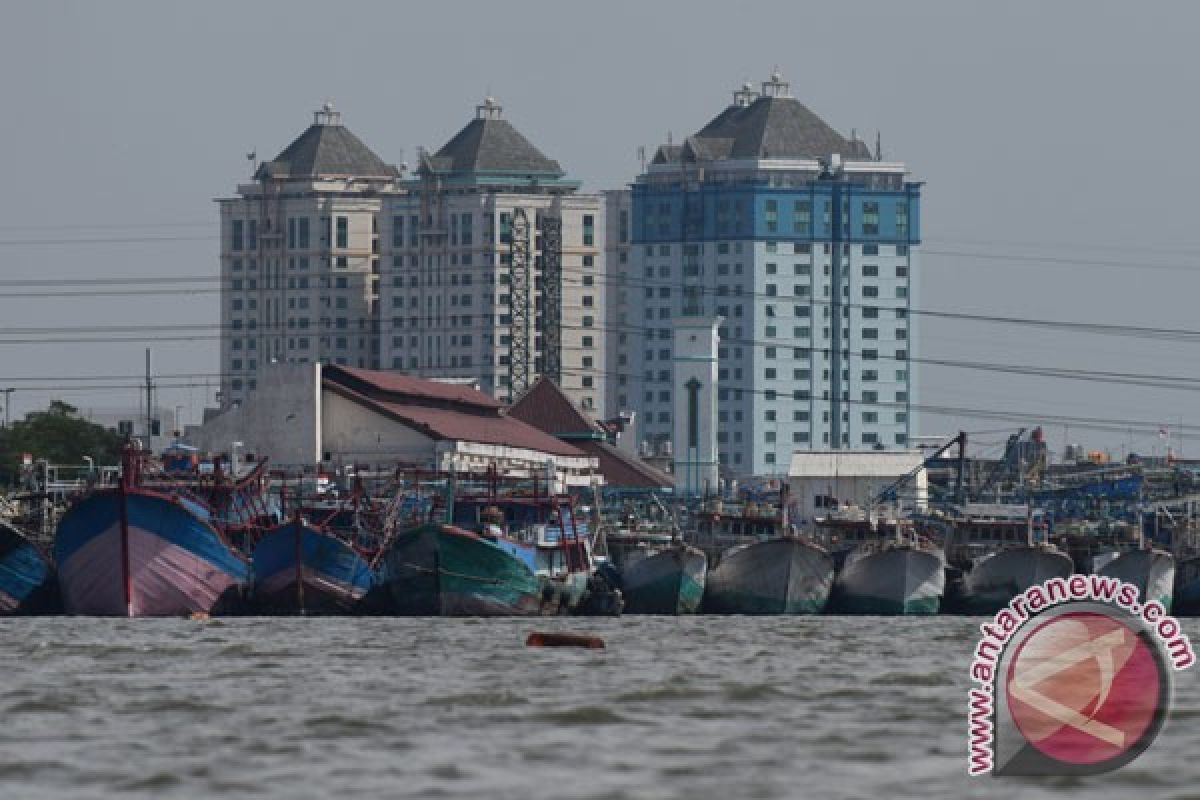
x=622, y=470
x=547, y=408
x=485, y=425
x=398, y=387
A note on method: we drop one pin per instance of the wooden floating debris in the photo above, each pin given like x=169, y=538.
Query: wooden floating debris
x=547, y=639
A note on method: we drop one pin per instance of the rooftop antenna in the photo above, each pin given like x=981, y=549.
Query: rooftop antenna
x=878, y=146
x=641, y=154
x=489, y=109
x=326, y=115
x=744, y=96
x=252, y=157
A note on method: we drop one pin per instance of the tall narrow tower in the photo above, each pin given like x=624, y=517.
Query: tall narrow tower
x=694, y=381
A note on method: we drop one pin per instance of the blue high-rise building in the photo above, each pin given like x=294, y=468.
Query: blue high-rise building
x=804, y=243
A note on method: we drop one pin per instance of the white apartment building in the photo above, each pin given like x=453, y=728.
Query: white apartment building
x=618, y=253
x=300, y=258
x=804, y=243
x=494, y=268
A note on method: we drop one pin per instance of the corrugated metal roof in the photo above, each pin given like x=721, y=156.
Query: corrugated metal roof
x=854, y=463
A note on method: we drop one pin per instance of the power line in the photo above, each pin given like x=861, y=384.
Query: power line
x=104, y=240
x=154, y=334
x=1111, y=425
x=618, y=281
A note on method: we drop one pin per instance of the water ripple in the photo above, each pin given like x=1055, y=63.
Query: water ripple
x=696, y=707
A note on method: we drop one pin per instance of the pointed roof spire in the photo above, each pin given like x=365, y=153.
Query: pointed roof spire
x=326, y=149
x=490, y=144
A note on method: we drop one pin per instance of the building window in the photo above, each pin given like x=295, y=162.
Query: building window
x=236, y=230
x=771, y=216
x=870, y=270
x=902, y=223
x=870, y=249
x=342, y=233
x=802, y=217
x=589, y=230
x=870, y=291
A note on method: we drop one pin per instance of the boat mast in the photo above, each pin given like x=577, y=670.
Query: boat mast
x=127, y=477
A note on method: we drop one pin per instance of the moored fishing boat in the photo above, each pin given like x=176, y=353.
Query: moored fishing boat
x=299, y=569
x=888, y=570
x=26, y=576
x=783, y=575
x=435, y=569
x=996, y=579
x=1186, y=601
x=1152, y=570
x=134, y=551
x=1002, y=550
x=658, y=577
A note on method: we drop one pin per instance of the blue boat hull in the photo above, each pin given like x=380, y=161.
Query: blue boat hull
x=136, y=553
x=300, y=570
x=27, y=581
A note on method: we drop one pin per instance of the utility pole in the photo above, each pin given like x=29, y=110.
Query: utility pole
x=834, y=175
x=149, y=402
x=7, y=406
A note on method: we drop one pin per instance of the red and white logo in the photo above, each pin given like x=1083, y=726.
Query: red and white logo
x=1084, y=688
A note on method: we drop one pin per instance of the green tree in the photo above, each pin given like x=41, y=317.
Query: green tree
x=57, y=435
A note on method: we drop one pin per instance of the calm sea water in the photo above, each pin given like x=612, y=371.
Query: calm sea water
x=693, y=707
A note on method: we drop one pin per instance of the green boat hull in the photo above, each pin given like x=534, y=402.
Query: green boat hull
x=878, y=606
x=668, y=582
x=774, y=576
x=435, y=570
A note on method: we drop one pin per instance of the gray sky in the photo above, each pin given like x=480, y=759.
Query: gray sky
x=1043, y=130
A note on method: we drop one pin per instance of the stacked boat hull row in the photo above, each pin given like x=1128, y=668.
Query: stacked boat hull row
x=131, y=550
